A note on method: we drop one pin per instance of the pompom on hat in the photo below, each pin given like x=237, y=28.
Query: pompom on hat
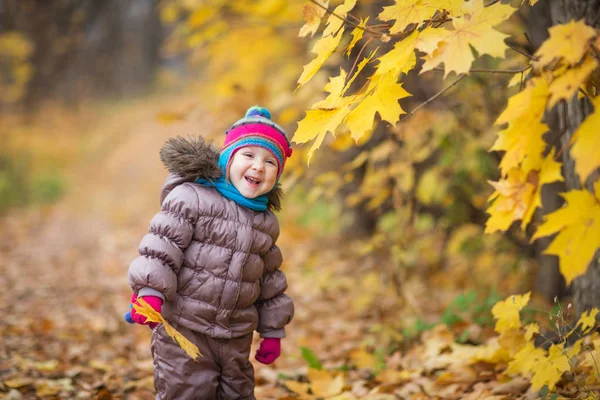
x=256, y=129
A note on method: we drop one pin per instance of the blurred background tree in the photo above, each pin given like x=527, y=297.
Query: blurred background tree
x=80, y=49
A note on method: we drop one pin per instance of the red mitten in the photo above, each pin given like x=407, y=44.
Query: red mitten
x=154, y=302
x=269, y=350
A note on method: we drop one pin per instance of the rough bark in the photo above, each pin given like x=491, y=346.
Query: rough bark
x=586, y=289
x=548, y=280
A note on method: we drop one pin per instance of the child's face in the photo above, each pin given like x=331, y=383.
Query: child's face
x=253, y=171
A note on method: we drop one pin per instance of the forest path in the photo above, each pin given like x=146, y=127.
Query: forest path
x=63, y=281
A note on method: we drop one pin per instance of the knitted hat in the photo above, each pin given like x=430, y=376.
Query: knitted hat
x=256, y=129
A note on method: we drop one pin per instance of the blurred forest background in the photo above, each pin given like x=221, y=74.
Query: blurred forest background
x=393, y=277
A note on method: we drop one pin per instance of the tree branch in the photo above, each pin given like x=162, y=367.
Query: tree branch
x=494, y=71
x=522, y=52
x=371, y=31
x=435, y=96
x=353, y=24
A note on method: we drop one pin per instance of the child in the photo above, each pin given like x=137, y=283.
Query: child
x=210, y=264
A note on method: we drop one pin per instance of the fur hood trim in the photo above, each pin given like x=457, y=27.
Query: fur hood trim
x=194, y=158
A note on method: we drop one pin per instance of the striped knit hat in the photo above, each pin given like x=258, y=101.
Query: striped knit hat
x=256, y=129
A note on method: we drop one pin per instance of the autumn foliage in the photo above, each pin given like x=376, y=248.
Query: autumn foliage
x=429, y=116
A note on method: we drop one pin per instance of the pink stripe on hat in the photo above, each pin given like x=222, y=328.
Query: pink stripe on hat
x=262, y=129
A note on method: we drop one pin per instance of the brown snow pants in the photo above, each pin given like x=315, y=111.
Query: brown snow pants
x=224, y=373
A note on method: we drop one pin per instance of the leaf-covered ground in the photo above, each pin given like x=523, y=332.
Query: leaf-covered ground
x=63, y=292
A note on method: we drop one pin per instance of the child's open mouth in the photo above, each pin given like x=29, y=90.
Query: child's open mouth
x=252, y=181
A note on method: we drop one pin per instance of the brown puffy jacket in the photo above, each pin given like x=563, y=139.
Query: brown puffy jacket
x=213, y=261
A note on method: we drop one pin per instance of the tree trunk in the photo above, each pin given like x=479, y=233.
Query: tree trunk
x=586, y=289
x=548, y=280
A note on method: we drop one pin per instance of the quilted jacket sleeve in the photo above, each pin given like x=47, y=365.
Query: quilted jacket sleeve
x=161, y=250
x=275, y=308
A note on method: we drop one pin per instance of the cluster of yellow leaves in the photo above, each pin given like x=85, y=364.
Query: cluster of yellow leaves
x=15, y=51
x=472, y=26
x=565, y=62
x=463, y=25
x=439, y=364
x=515, y=345
x=236, y=46
x=152, y=316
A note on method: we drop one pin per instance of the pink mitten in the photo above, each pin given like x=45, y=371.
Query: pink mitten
x=269, y=350
x=154, y=302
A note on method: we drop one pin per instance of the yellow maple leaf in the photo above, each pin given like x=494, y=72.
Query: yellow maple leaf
x=492, y=352
x=383, y=99
x=300, y=388
x=336, y=88
x=357, y=34
x=574, y=349
x=316, y=124
x=587, y=320
x=530, y=330
x=360, y=67
x=407, y=12
x=507, y=312
x=548, y=370
x=512, y=340
x=334, y=22
x=312, y=16
x=363, y=359
x=324, y=383
x=568, y=41
x=586, y=145
x=567, y=84
x=452, y=46
x=526, y=359
x=511, y=200
x=522, y=139
x=323, y=49
x=549, y=171
x=153, y=316
x=401, y=58
x=531, y=100
x=578, y=228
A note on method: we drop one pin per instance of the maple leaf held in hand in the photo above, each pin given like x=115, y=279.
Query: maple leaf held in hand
x=153, y=316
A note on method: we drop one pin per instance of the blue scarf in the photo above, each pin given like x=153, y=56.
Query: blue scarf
x=228, y=190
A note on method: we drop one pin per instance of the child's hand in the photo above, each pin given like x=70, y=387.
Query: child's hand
x=154, y=302
x=269, y=350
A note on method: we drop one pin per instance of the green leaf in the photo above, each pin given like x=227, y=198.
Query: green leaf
x=311, y=358
x=543, y=392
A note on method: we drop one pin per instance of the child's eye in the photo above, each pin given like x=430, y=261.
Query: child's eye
x=271, y=162
x=249, y=155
